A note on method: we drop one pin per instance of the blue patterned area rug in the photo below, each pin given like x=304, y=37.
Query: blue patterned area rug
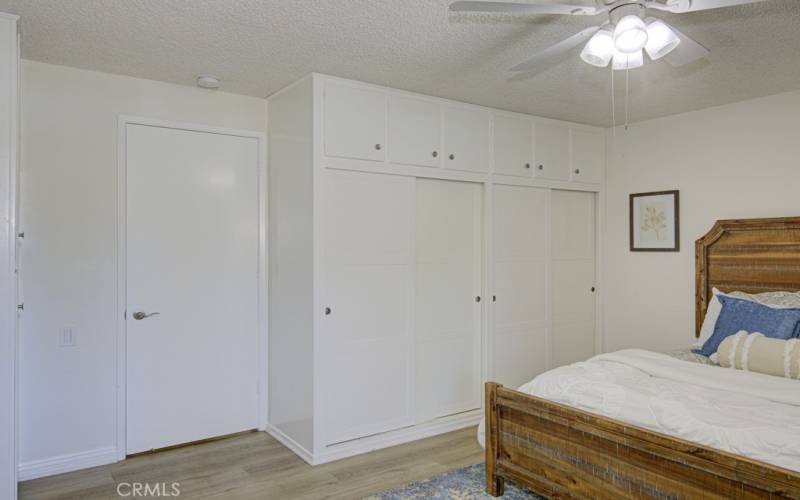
x=468, y=483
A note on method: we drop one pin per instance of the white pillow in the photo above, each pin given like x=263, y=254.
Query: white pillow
x=778, y=300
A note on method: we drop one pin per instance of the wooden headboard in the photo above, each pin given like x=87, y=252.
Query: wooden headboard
x=748, y=255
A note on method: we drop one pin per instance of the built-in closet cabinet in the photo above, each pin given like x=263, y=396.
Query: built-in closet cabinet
x=449, y=306
x=355, y=122
x=415, y=128
x=519, y=284
x=367, y=292
x=467, y=133
x=513, y=145
x=552, y=151
x=588, y=156
x=415, y=252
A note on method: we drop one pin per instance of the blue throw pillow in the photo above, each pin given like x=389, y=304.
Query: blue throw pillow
x=739, y=314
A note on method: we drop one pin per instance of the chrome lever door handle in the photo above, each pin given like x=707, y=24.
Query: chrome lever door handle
x=140, y=315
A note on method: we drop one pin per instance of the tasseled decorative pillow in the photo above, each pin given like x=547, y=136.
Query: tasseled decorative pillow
x=756, y=353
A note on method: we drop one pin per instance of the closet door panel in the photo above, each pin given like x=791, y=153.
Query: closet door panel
x=513, y=148
x=571, y=344
x=552, y=151
x=355, y=122
x=448, y=280
x=466, y=138
x=368, y=284
x=414, y=131
x=573, y=299
x=519, y=313
x=588, y=156
x=573, y=264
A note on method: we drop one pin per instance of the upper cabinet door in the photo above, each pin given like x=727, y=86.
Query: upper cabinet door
x=551, y=151
x=588, y=156
x=414, y=131
x=355, y=122
x=513, y=146
x=466, y=138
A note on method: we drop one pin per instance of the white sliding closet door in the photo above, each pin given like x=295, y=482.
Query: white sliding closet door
x=519, y=313
x=573, y=275
x=368, y=293
x=448, y=303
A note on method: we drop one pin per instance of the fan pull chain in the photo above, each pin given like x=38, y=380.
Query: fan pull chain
x=613, y=106
x=627, y=96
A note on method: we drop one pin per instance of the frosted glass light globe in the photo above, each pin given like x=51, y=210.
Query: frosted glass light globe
x=661, y=40
x=599, y=49
x=630, y=35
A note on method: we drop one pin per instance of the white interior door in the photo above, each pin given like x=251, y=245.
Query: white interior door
x=573, y=276
x=520, y=304
x=192, y=262
x=448, y=304
x=368, y=295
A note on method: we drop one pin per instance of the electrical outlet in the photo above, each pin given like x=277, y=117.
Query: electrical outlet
x=66, y=337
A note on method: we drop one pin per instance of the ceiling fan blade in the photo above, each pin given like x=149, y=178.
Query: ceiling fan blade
x=556, y=50
x=524, y=8
x=686, y=52
x=679, y=6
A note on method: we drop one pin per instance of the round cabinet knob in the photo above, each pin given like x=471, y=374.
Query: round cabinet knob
x=327, y=311
x=540, y=166
x=478, y=298
x=434, y=154
x=577, y=171
x=378, y=147
x=452, y=157
x=592, y=289
x=494, y=298
x=527, y=165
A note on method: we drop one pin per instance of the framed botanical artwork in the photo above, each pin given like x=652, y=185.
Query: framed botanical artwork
x=654, y=222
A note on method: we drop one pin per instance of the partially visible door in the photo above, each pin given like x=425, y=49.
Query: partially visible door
x=572, y=224
x=367, y=293
x=192, y=285
x=519, y=307
x=448, y=308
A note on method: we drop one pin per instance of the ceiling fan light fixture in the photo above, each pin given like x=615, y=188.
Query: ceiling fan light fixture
x=661, y=40
x=599, y=49
x=623, y=60
x=630, y=34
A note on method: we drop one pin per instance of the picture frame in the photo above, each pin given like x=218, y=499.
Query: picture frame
x=655, y=221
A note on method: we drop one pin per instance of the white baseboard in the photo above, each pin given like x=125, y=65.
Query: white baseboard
x=290, y=443
x=66, y=463
x=400, y=436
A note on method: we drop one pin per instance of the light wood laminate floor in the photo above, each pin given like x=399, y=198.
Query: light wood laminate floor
x=256, y=466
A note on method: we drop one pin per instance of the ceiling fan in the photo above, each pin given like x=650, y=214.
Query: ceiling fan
x=622, y=39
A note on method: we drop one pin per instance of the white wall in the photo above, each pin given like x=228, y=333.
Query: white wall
x=69, y=143
x=736, y=161
x=8, y=311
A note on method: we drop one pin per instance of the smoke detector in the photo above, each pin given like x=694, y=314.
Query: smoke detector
x=208, y=81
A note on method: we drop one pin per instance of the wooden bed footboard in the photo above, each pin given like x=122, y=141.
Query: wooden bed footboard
x=561, y=452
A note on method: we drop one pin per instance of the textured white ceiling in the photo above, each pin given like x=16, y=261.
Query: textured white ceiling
x=259, y=46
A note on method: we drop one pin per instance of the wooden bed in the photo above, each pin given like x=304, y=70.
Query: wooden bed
x=561, y=452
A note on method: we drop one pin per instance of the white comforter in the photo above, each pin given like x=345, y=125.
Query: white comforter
x=745, y=413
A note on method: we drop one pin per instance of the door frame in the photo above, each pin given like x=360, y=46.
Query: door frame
x=121, y=263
